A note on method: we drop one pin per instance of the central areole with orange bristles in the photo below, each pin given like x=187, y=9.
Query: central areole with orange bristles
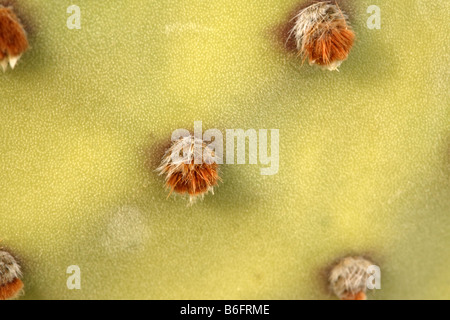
x=183, y=174
x=323, y=35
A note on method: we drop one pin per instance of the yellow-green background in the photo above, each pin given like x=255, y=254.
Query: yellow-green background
x=364, y=152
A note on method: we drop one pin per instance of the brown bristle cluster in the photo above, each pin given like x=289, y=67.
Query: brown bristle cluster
x=183, y=175
x=13, y=38
x=333, y=45
x=193, y=179
x=323, y=35
x=11, y=290
x=10, y=283
x=348, y=278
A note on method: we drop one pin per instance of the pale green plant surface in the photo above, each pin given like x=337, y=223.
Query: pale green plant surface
x=364, y=153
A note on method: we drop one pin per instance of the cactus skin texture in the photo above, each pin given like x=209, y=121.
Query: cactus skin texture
x=364, y=153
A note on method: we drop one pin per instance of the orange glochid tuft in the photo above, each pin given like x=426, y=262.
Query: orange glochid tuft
x=184, y=175
x=323, y=35
x=11, y=290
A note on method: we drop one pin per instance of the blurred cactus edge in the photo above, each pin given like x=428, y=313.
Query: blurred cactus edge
x=359, y=156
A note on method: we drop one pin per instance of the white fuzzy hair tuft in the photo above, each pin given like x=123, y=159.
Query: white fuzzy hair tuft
x=9, y=268
x=349, y=276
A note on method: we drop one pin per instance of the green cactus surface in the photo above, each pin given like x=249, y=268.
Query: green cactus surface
x=364, y=161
